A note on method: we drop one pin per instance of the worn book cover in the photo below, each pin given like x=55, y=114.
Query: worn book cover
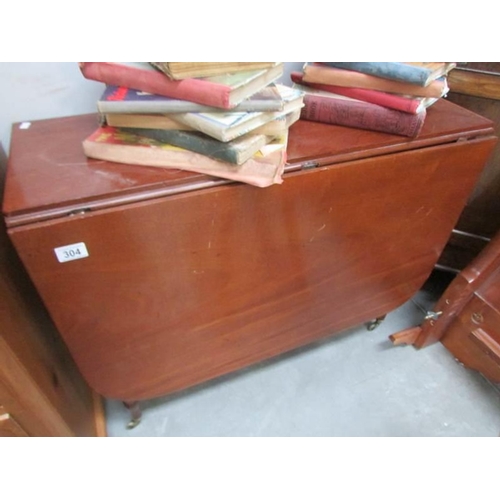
x=236, y=151
x=132, y=120
x=279, y=125
x=226, y=126
x=180, y=70
x=418, y=73
x=407, y=104
x=326, y=107
x=264, y=169
x=126, y=100
x=319, y=73
x=223, y=91
x=274, y=127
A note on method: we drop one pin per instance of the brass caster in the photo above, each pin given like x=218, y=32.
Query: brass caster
x=133, y=423
x=135, y=413
x=371, y=325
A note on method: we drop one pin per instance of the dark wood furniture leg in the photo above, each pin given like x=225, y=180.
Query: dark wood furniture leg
x=135, y=413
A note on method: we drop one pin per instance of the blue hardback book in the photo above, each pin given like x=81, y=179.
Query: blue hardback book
x=418, y=73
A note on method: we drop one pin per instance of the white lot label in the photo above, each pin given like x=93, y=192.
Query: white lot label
x=71, y=252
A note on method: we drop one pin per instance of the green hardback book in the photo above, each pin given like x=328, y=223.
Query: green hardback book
x=236, y=151
x=263, y=169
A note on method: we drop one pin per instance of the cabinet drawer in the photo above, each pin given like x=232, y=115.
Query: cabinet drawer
x=478, y=315
x=474, y=339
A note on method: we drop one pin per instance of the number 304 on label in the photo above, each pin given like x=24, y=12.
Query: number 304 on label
x=71, y=252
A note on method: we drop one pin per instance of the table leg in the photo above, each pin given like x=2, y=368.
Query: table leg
x=135, y=413
x=374, y=323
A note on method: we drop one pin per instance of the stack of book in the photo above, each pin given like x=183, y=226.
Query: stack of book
x=390, y=97
x=229, y=120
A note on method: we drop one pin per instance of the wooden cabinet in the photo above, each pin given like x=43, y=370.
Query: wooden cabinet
x=468, y=316
x=474, y=336
x=187, y=277
x=9, y=427
x=476, y=86
x=41, y=390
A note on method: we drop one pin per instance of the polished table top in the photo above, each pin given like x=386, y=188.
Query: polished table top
x=47, y=169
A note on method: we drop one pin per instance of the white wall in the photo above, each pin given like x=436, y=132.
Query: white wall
x=34, y=91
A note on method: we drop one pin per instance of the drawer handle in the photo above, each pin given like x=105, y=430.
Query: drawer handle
x=487, y=344
x=477, y=318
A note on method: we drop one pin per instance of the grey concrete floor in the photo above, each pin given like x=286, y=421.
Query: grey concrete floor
x=355, y=384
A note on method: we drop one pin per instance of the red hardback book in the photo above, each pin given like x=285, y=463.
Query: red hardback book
x=318, y=73
x=324, y=107
x=224, y=91
x=388, y=100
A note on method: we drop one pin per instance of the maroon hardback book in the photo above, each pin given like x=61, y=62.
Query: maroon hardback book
x=337, y=110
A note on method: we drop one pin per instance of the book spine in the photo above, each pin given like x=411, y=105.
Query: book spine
x=155, y=82
x=361, y=115
x=257, y=172
x=346, y=78
x=181, y=106
x=192, y=142
x=391, y=70
x=180, y=70
x=153, y=107
x=373, y=96
x=380, y=98
x=128, y=120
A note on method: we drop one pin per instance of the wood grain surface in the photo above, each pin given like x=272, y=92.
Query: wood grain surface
x=182, y=286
